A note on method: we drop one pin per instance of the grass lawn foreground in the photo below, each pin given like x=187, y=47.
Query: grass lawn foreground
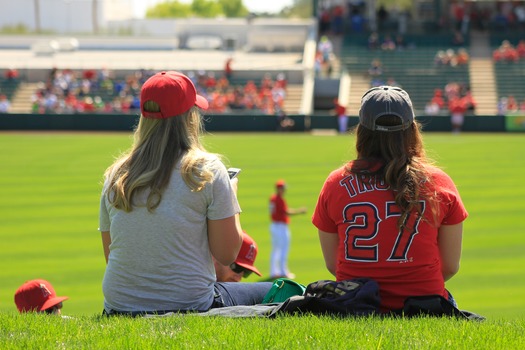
x=50, y=188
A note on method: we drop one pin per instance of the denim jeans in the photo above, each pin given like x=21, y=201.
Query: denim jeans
x=239, y=293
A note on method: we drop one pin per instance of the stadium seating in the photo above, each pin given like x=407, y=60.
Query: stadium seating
x=413, y=68
x=8, y=87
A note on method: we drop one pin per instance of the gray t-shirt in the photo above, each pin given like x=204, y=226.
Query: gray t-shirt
x=162, y=260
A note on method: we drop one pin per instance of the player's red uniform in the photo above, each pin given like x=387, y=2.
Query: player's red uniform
x=363, y=213
x=279, y=209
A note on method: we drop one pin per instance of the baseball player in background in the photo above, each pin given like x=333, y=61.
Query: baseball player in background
x=281, y=235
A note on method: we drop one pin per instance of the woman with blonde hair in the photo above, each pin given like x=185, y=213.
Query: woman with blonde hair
x=167, y=207
x=390, y=214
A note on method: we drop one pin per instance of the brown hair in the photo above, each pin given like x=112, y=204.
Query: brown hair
x=400, y=159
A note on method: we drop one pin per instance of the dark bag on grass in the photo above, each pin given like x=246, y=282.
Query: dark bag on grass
x=434, y=305
x=356, y=297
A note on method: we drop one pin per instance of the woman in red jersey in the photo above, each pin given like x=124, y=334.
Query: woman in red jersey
x=391, y=215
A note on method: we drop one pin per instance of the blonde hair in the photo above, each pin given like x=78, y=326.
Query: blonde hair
x=157, y=147
x=400, y=159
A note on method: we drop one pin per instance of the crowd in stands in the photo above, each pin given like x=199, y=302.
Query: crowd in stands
x=266, y=96
x=510, y=104
x=507, y=52
x=454, y=97
x=332, y=19
x=88, y=91
x=336, y=17
x=387, y=42
x=99, y=91
x=452, y=58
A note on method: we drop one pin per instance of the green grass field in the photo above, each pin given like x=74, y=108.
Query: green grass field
x=51, y=182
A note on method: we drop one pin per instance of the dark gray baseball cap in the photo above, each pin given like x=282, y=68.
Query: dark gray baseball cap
x=386, y=100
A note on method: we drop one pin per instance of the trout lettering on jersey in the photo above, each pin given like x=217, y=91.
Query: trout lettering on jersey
x=356, y=184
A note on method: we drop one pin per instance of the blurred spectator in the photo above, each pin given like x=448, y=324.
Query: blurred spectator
x=502, y=106
x=512, y=104
x=326, y=48
x=522, y=105
x=388, y=43
x=228, y=70
x=382, y=17
x=337, y=20
x=373, y=41
x=437, y=98
x=457, y=109
x=505, y=52
x=519, y=12
x=452, y=90
x=520, y=48
x=431, y=108
x=376, y=68
x=11, y=74
x=436, y=103
x=5, y=105
x=462, y=57
x=469, y=101
x=324, y=57
x=375, y=71
x=357, y=21
x=325, y=21
x=400, y=42
x=499, y=21
x=392, y=82
x=342, y=117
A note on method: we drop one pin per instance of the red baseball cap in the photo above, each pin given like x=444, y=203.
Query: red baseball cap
x=247, y=254
x=173, y=92
x=36, y=295
x=280, y=183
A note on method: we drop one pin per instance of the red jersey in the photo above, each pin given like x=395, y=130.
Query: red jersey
x=279, y=209
x=340, y=110
x=362, y=211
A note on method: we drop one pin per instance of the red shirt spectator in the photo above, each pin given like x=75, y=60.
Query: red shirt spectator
x=228, y=68
x=11, y=74
x=89, y=74
x=457, y=105
x=438, y=98
x=512, y=104
x=521, y=49
x=469, y=101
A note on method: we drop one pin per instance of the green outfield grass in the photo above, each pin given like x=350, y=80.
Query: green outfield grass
x=51, y=182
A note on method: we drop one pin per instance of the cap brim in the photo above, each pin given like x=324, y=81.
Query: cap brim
x=249, y=267
x=201, y=102
x=52, y=302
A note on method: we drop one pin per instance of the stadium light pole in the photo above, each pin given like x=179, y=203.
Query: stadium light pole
x=95, y=16
x=37, y=16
